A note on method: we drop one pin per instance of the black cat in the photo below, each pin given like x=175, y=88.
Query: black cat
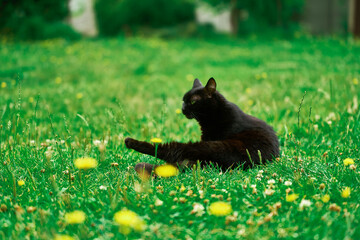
x=229, y=137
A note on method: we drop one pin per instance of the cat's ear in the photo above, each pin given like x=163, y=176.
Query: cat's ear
x=211, y=86
x=197, y=83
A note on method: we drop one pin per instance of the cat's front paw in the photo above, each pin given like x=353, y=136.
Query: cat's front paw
x=130, y=142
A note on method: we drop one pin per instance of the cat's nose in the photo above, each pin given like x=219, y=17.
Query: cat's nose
x=183, y=107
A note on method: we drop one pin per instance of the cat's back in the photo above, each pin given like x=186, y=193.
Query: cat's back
x=253, y=133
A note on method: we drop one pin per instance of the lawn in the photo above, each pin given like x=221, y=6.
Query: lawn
x=60, y=101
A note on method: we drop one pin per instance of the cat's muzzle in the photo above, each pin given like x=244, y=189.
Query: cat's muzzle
x=188, y=114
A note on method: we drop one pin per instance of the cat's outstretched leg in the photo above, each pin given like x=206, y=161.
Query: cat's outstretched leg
x=164, y=153
x=169, y=152
x=227, y=153
x=140, y=146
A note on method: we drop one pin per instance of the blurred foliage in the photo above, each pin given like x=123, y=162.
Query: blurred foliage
x=263, y=15
x=35, y=19
x=116, y=16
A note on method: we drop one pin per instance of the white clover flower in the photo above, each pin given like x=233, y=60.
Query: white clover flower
x=102, y=187
x=158, y=202
x=287, y=183
x=48, y=154
x=331, y=116
x=269, y=192
x=201, y=194
x=198, y=209
x=271, y=181
x=138, y=187
x=304, y=203
x=102, y=147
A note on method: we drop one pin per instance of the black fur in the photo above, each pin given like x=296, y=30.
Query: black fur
x=229, y=137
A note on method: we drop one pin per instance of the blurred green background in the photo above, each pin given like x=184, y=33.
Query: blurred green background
x=71, y=19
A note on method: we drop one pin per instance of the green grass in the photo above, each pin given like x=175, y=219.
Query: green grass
x=65, y=95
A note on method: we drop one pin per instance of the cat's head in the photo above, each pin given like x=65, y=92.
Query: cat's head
x=201, y=100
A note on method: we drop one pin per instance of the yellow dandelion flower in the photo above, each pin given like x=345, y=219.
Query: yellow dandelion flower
x=166, y=170
x=85, y=163
x=355, y=81
x=264, y=75
x=348, y=161
x=325, y=198
x=190, y=77
x=63, y=237
x=291, y=197
x=346, y=192
x=248, y=90
x=58, y=80
x=128, y=219
x=220, y=208
x=21, y=182
x=250, y=102
x=75, y=217
x=3, y=85
x=31, y=99
x=178, y=111
x=156, y=140
x=79, y=95
x=182, y=188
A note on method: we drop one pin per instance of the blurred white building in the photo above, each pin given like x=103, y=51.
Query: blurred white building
x=219, y=19
x=83, y=17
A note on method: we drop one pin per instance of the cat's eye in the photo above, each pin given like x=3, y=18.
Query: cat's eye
x=194, y=99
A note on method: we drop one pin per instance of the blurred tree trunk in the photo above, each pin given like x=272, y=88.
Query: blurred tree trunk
x=234, y=17
x=357, y=18
x=279, y=9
